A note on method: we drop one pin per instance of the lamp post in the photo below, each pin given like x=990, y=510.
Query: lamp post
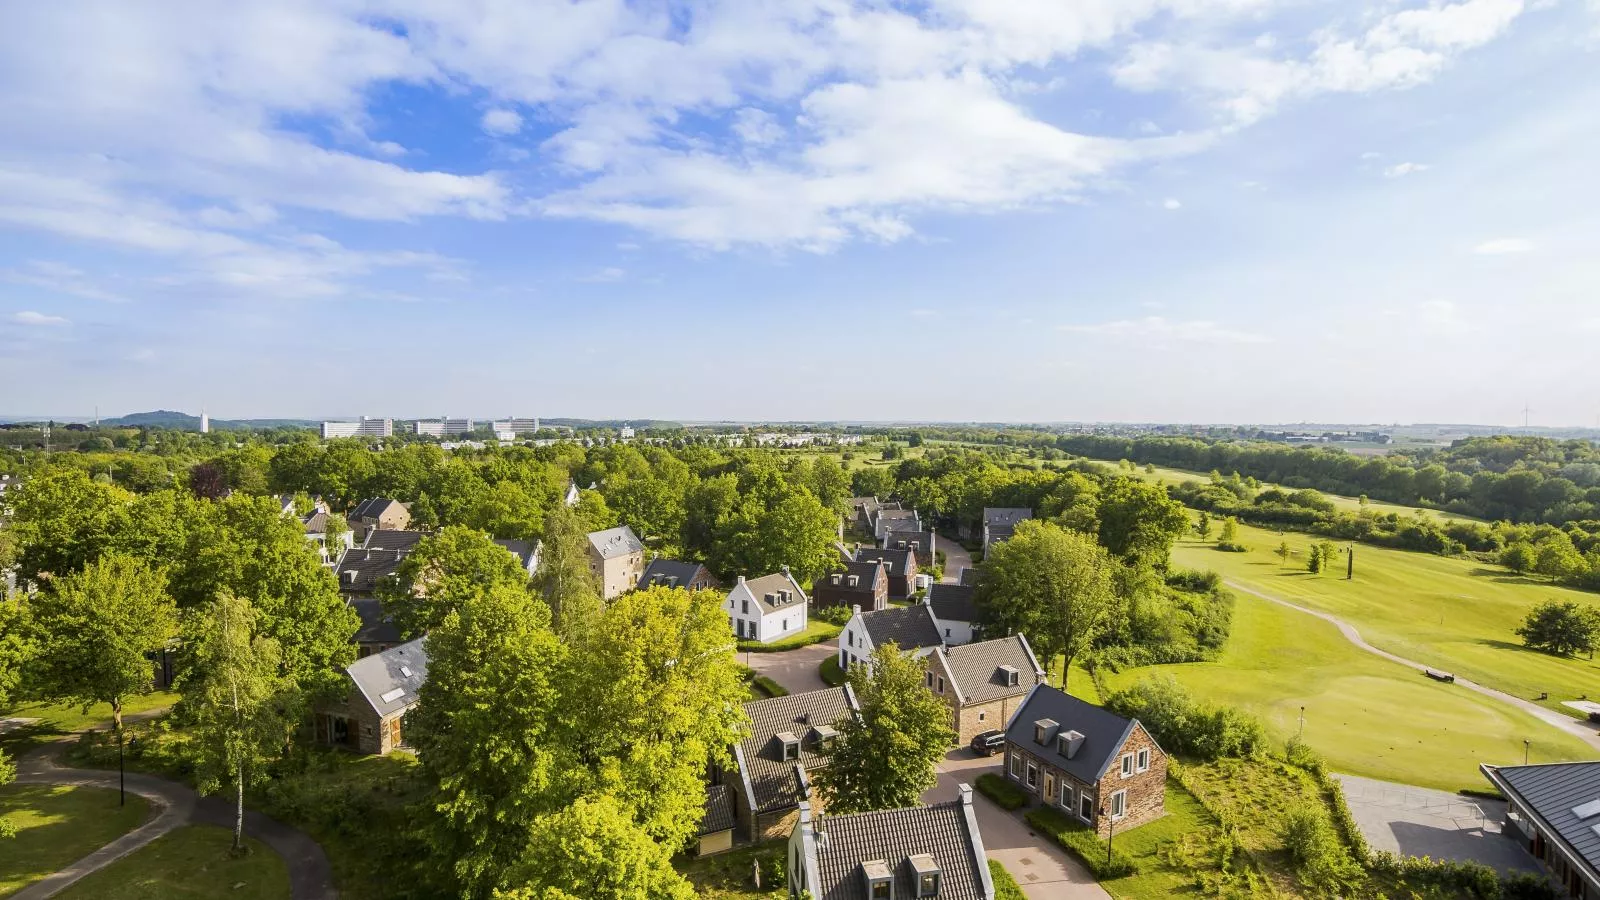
x=122, y=778
x=1111, y=834
x=1525, y=744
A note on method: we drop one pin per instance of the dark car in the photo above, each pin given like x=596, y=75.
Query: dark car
x=989, y=743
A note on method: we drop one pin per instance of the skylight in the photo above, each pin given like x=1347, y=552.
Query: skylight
x=391, y=696
x=1592, y=808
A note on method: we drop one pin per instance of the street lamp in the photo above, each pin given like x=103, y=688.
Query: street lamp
x=1110, y=834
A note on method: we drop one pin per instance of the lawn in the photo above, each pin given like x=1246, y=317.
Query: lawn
x=1454, y=614
x=1342, y=503
x=1366, y=715
x=727, y=876
x=192, y=861
x=1162, y=873
x=56, y=719
x=56, y=825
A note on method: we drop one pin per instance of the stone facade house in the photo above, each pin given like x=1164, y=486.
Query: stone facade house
x=956, y=611
x=616, y=557
x=768, y=608
x=863, y=584
x=378, y=514
x=901, y=565
x=1000, y=521
x=1094, y=765
x=769, y=780
x=923, y=543
x=672, y=573
x=983, y=683
x=911, y=628
x=383, y=688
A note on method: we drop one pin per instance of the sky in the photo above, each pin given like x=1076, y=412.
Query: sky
x=964, y=210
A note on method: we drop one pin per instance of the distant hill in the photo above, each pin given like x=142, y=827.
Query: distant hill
x=166, y=418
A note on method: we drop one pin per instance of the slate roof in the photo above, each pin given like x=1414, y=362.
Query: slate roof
x=886, y=514
x=867, y=575
x=926, y=541
x=368, y=567
x=671, y=573
x=1555, y=792
x=953, y=602
x=403, y=541
x=375, y=625
x=372, y=509
x=975, y=668
x=1104, y=732
x=939, y=830
x=759, y=588
x=718, y=811
x=898, y=562
x=522, y=550
x=316, y=523
x=614, y=542
x=395, y=674
x=773, y=780
x=969, y=577
x=1001, y=521
x=911, y=627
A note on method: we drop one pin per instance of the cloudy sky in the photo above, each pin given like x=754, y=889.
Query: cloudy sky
x=1162, y=210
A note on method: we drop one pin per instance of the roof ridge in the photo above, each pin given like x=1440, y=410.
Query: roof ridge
x=898, y=809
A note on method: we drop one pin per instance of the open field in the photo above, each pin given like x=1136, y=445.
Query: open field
x=1455, y=614
x=57, y=824
x=1342, y=503
x=192, y=861
x=1366, y=715
x=57, y=719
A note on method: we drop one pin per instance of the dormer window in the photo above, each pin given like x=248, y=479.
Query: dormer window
x=836, y=578
x=825, y=735
x=854, y=580
x=1010, y=675
x=1044, y=730
x=879, y=879
x=790, y=744
x=926, y=874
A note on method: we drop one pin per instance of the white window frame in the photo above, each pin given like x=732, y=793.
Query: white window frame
x=1127, y=766
x=1067, y=795
x=1032, y=781
x=1119, y=799
x=1142, y=764
x=1016, y=767
x=1085, y=807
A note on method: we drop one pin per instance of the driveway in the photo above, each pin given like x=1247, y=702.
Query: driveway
x=1414, y=821
x=795, y=670
x=1043, y=869
x=956, y=558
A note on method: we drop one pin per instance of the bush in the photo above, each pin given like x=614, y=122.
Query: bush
x=1299, y=753
x=1320, y=860
x=1005, y=794
x=1194, y=580
x=1187, y=727
x=1232, y=547
x=831, y=672
x=768, y=686
x=1457, y=879
x=815, y=633
x=1005, y=887
x=834, y=615
x=1079, y=840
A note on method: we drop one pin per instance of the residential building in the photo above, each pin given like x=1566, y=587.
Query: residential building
x=1096, y=766
x=889, y=520
x=572, y=495
x=787, y=737
x=377, y=632
x=983, y=683
x=717, y=822
x=933, y=851
x=526, y=552
x=768, y=608
x=911, y=628
x=861, y=584
x=674, y=574
x=923, y=543
x=383, y=688
x=399, y=540
x=364, y=428
x=901, y=566
x=428, y=427
x=1553, y=811
x=378, y=514
x=362, y=569
x=616, y=555
x=625, y=433
x=999, y=522
x=862, y=512
x=956, y=611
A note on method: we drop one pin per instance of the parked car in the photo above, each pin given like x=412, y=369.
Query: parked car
x=989, y=743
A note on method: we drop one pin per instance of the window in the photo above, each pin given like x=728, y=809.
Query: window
x=1085, y=807
x=883, y=890
x=941, y=684
x=1119, y=805
x=1127, y=765
x=1016, y=766
x=928, y=885
x=785, y=624
x=981, y=715
x=1033, y=776
x=1143, y=764
x=947, y=632
x=927, y=679
x=1066, y=796
x=850, y=638
x=744, y=607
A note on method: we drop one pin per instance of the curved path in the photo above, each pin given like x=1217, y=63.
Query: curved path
x=1577, y=729
x=310, y=876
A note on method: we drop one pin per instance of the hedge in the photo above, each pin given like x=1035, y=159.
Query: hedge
x=1079, y=840
x=830, y=671
x=770, y=687
x=1005, y=887
x=815, y=633
x=1005, y=794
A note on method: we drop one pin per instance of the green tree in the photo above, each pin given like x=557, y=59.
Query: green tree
x=1314, y=559
x=443, y=568
x=1230, y=531
x=709, y=504
x=1560, y=627
x=1139, y=522
x=594, y=512
x=885, y=759
x=593, y=850
x=569, y=586
x=1284, y=552
x=777, y=525
x=1558, y=559
x=242, y=705
x=1052, y=585
x=1202, y=526
x=97, y=630
x=62, y=520
x=1519, y=557
x=872, y=481
x=1329, y=553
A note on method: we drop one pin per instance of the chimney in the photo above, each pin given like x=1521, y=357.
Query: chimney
x=965, y=791
x=741, y=579
x=855, y=608
x=785, y=570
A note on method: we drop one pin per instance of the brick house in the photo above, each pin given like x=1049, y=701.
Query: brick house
x=616, y=557
x=383, y=688
x=901, y=566
x=911, y=628
x=787, y=734
x=863, y=584
x=983, y=683
x=1090, y=763
x=1000, y=521
x=378, y=514
x=672, y=573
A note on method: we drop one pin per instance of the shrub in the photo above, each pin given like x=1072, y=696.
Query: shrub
x=1185, y=726
x=1320, y=860
x=1457, y=879
x=1079, y=840
x=1232, y=547
x=831, y=672
x=1005, y=887
x=1005, y=794
x=816, y=633
x=770, y=687
x=834, y=615
x=1299, y=753
x=1194, y=580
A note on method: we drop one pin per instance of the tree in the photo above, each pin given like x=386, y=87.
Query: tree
x=777, y=525
x=454, y=563
x=1562, y=628
x=1054, y=586
x=593, y=850
x=242, y=705
x=1329, y=552
x=872, y=481
x=98, y=629
x=1558, y=559
x=1230, y=531
x=1284, y=552
x=208, y=481
x=1314, y=559
x=1139, y=522
x=885, y=758
x=1203, y=526
x=569, y=586
x=1519, y=557
x=63, y=520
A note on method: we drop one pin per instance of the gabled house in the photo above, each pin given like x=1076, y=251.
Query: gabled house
x=1553, y=811
x=862, y=512
x=768, y=608
x=787, y=738
x=924, y=544
x=378, y=514
x=1096, y=766
x=953, y=606
x=376, y=632
x=896, y=519
x=863, y=584
x=901, y=566
x=616, y=555
x=933, y=851
x=675, y=574
x=383, y=688
x=911, y=628
x=1000, y=521
x=572, y=496
x=526, y=552
x=983, y=683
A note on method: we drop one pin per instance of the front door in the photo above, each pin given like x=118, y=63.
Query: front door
x=1049, y=785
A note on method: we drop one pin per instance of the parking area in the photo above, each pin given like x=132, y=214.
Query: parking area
x=795, y=670
x=1413, y=821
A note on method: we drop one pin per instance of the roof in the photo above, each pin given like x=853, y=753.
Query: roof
x=389, y=680
x=976, y=668
x=1557, y=793
x=316, y=523
x=773, y=780
x=759, y=588
x=926, y=541
x=385, y=539
x=376, y=628
x=718, y=814
x=361, y=569
x=1005, y=515
x=953, y=602
x=372, y=509
x=615, y=542
x=911, y=627
x=898, y=562
x=940, y=830
x=887, y=514
x=672, y=573
x=524, y=551
x=867, y=574
x=1104, y=732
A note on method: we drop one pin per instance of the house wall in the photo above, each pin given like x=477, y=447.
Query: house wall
x=371, y=732
x=772, y=623
x=618, y=574
x=854, y=643
x=715, y=842
x=955, y=631
x=991, y=715
x=1146, y=790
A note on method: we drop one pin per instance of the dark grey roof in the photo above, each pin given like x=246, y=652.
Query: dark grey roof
x=1104, y=732
x=389, y=680
x=375, y=625
x=953, y=602
x=614, y=542
x=977, y=673
x=373, y=508
x=867, y=575
x=1005, y=515
x=386, y=539
x=969, y=577
x=316, y=523
x=522, y=550
x=892, y=835
x=911, y=627
x=759, y=588
x=886, y=514
x=360, y=569
x=673, y=573
x=1556, y=791
x=771, y=778
x=898, y=562
x=926, y=541
x=718, y=814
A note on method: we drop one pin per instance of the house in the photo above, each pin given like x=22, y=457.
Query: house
x=717, y=823
x=768, y=608
x=862, y=584
x=769, y=780
x=383, y=688
x=900, y=854
x=377, y=632
x=999, y=522
x=889, y=520
x=399, y=540
x=616, y=555
x=378, y=514
x=1096, y=766
x=315, y=525
x=526, y=552
x=672, y=573
x=901, y=565
x=956, y=610
x=862, y=512
x=572, y=495
x=983, y=683
x=1553, y=811
x=921, y=543
x=911, y=628
x=362, y=569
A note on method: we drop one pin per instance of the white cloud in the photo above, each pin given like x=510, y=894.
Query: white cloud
x=1371, y=154
x=63, y=279
x=1401, y=170
x=29, y=317
x=1502, y=246
x=1161, y=330
x=604, y=276
x=502, y=122
x=757, y=126
x=1171, y=203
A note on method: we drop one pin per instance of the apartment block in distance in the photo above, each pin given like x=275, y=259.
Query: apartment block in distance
x=364, y=428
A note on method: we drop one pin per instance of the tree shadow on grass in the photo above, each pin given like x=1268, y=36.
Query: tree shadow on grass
x=1498, y=644
x=1502, y=576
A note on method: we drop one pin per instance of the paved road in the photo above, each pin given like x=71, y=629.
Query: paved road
x=1580, y=730
x=1043, y=869
x=956, y=558
x=1414, y=821
x=796, y=670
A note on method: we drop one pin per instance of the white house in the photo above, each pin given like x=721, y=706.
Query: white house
x=955, y=611
x=768, y=608
x=912, y=628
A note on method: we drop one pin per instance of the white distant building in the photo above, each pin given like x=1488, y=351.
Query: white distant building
x=205, y=422
x=364, y=428
x=625, y=432
x=516, y=426
x=427, y=427
x=457, y=426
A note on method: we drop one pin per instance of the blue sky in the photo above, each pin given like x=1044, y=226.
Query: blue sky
x=1150, y=210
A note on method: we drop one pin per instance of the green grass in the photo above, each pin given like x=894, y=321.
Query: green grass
x=56, y=719
x=1365, y=715
x=1340, y=502
x=1005, y=887
x=726, y=876
x=816, y=632
x=1186, y=821
x=192, y=861
x=1454, y=614
x=57, y=825
x=831, y=672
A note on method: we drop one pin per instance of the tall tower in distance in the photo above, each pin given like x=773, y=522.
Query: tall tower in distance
x=205, y=421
